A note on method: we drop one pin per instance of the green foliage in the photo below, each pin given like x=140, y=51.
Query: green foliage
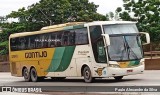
x=58, y=11
x=45, y=11
x=2, y=19
x=113, y=16
x=146, y=12
x=4, y=48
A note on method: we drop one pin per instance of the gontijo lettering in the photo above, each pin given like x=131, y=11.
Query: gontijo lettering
x=36, y=54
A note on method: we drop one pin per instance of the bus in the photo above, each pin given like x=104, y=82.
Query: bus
x=98, y=49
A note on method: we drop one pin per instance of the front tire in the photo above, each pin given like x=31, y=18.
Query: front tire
x=87, y=75
x=26, y=75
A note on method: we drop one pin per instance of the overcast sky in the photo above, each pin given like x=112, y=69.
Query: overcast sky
x=7, y=6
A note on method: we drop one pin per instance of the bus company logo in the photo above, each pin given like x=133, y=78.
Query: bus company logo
x=101, y=71
x=21, y=90
x=36, y=54
x=6, y=89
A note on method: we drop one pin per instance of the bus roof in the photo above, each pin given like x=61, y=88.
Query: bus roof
x=69, y=25
x=108, y=23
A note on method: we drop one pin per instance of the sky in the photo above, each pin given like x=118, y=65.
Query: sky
x=105, y=6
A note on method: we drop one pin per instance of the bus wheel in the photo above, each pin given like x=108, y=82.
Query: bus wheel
x=118, y=78
x=26, y=75
x=34, y=76
x=87, y=75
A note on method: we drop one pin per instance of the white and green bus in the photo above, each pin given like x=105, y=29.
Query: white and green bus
x=97, y=49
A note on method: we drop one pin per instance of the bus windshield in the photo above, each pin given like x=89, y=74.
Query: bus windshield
x=125, y=43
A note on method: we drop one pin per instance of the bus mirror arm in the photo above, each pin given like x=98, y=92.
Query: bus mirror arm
x=147, y=37
x=107, y=39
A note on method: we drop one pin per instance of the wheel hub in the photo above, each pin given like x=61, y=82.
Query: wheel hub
x=87, y=74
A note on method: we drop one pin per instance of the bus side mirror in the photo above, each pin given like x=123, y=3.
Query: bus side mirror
x=107, y=39
x=146, y=36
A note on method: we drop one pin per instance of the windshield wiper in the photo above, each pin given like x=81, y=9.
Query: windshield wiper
x=129, y=49
x=121, y=58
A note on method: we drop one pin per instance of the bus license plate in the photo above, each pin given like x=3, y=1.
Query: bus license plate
x=129, y=71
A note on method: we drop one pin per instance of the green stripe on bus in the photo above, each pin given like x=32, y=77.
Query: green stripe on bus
x=134, y=63
x=68, y=27
x=73, y=27
x=61, y=59
x=56, y=59
x=66, y=59
x=78, y=26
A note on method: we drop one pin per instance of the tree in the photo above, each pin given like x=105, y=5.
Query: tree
x=112, y=16
x=2, y=19
x=58, y=11
x=42, y=13
x=146, y=12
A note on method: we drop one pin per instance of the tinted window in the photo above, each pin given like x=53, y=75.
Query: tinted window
x=22, y=43
x=98, y=44
x=81, y=36
x=49, y=40
x=59, y=39
x=52, y=40
x=72, y=37
x=14, y=43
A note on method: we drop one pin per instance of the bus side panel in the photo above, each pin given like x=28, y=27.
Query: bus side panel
x=61, y=60
x=35, y=58
x=72, y=69
x=28, y=65
x=39, y=66
x=13, y=68
x=83, y=56
x=77, y=58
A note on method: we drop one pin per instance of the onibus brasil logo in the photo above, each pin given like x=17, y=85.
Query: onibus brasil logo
x=21, y=89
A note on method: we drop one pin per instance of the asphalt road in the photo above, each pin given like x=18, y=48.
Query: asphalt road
x=148, y=78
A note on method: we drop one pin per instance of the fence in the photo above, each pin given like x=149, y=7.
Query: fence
x=4, y=63
x=152, y=64
x=152, y=47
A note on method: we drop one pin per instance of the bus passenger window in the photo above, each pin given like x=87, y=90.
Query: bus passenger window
x=81, y=36
x=49, y=40
x=72, y=38
x=39, y=41
x=28, y=42
x=14, y=44
x=36, y=42
x=59, y=40
x=22, y=45
x=31, y=43
x=45, y=42
x=52, y=42
x=65, y=39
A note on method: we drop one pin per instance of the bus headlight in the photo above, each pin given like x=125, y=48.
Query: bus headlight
x=142, y=63
x=114, y=65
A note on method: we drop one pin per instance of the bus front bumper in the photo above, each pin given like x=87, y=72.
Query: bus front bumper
x=125, y=71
